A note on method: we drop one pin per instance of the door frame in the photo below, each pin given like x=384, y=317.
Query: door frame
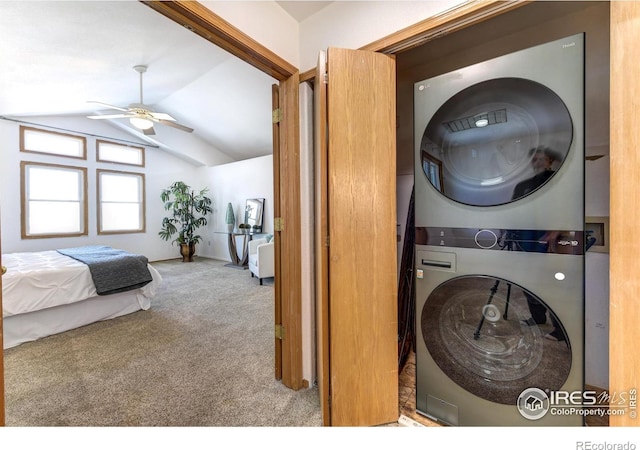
x=288, y=293
x=623, y=289
x=277, y=285
x=204, y=22
x=623, y=211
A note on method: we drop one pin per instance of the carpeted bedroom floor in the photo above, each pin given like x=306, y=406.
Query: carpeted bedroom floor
x=203, y=355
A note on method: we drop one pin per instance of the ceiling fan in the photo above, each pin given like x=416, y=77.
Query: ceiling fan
x=140, y=115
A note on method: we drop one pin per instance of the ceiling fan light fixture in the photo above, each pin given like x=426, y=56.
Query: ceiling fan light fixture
x=140, y=115
x=141, y=123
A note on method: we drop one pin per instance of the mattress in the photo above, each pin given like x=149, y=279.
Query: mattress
x=40, y=280
x=45, y=293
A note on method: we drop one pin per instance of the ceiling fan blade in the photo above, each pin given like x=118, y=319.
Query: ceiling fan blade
x=111, y=116
x=175, y=125
x=162, y=116
x=108, y=106
x=140, y=111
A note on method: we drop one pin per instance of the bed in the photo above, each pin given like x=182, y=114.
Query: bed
x=48, y=292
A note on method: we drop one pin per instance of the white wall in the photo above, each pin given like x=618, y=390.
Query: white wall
x=354, y=24
x=234, y=183
x=187, y=147
x=160, y=171
x=265, y=22
x=350, y=24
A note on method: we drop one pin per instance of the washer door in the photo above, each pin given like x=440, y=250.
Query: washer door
x=479, y=145
x=478, y=331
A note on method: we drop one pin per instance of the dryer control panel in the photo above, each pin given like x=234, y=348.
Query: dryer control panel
x=566, y=242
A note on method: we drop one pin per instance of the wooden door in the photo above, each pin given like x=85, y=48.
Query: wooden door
x=277, y=291
x=357, y=214
x=321, y=237
x=288, y=236
x=624, y=309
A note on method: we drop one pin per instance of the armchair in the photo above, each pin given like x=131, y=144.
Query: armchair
x=261, y=258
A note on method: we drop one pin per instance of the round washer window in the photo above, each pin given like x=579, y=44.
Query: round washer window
x=478, y=331
x=496, y=141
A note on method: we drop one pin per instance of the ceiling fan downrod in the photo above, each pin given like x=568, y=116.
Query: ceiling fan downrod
x=140, y=69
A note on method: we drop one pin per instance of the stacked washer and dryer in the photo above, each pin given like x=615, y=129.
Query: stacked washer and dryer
x=499, y=216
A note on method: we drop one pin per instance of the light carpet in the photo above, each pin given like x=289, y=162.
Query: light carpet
x=203, y=355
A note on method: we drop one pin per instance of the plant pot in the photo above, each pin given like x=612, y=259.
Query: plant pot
x=187, y=251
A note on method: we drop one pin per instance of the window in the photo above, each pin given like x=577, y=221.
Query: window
x=54, y=202
x=54, y=197
x=34, y=140
x=121, y=202
x=432, y=167
x=119, y=153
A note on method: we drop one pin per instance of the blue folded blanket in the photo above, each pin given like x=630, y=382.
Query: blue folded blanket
x=112, y=270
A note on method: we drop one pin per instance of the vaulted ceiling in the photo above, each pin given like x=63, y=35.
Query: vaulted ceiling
x=59, y=55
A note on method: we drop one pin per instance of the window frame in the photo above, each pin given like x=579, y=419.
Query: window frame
x=23, y=148
x=104, y=141
x=434, y=162
x=84, y=201
x=143, y=215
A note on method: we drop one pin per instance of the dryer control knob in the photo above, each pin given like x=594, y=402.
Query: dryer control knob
x=486, y=239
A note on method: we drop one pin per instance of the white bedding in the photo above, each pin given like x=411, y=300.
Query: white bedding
x=45, y=293
x=40, y=280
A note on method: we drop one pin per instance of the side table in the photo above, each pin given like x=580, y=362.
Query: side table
x=238, y=261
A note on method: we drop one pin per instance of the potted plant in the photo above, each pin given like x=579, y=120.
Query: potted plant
x=188, y=210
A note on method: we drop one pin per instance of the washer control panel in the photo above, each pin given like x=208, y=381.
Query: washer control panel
x=568, y=242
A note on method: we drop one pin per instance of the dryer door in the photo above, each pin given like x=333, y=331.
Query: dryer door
x=482, y=333
x=496, y=141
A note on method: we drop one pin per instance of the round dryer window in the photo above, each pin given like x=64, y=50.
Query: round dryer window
x=496, y=141
x=482, y=334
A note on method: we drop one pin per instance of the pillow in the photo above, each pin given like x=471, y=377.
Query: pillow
x=269, y=237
